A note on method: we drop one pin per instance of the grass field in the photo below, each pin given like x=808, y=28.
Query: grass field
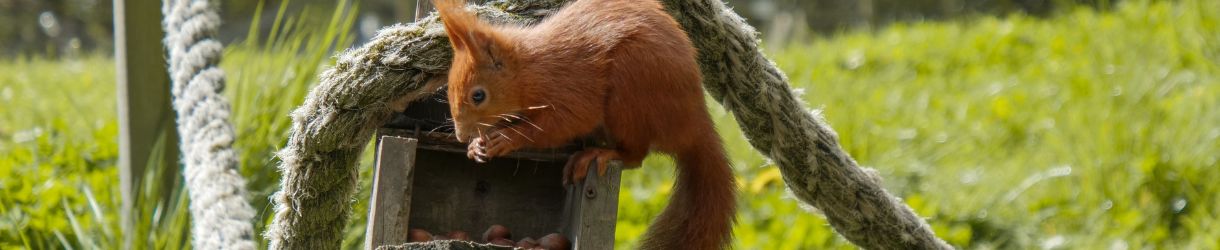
x=1083, y=130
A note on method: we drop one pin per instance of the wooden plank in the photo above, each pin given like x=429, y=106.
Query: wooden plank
x=592, y=209
x=451, y=192
x=146, y=127
x=390, y=205
x=444, y=142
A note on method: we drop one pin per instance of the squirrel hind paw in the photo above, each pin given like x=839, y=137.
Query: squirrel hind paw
x=577, y=168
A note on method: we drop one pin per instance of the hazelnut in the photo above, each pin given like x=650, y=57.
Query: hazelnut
x=496, y=232
x=555, y=242
x=458, y=235
x=527, y=243
x=502, y=242
x=418, y=235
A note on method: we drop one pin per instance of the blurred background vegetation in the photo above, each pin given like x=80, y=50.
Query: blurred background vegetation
x=1010, y=124
x=54, y=27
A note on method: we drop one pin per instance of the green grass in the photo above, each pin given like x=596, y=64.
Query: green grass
x=60, y=136
x=57, y=135
x=1082, y=130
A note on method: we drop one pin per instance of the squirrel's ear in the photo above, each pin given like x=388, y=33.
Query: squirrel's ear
x=486, y=48
x=468, y=34
x=459, y=24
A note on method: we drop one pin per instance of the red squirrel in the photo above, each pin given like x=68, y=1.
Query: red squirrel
x=624, y=67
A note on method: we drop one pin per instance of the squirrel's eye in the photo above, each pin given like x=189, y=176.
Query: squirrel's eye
x=478, y=96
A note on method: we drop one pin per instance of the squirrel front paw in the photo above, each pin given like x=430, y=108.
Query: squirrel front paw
x=482, y=149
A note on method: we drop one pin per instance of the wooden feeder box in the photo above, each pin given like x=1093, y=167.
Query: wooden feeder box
x=422, y=179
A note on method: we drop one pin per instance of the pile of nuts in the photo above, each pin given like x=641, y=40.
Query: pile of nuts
x=497, y=235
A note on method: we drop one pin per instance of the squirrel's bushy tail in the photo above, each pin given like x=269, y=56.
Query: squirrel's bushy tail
x=701, y=211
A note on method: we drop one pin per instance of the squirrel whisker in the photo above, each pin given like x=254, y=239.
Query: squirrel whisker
x=443, y=125
x=503, y=135
x=506, y=120
x=522, y=134
x=526, y=120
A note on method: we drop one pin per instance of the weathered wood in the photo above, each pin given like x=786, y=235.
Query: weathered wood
x=146, y=127
x=390, y=204
x=449, y=192
x=591, y=209
x=390, y=208
x=437, y=141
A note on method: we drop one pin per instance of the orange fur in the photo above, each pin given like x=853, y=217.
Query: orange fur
x=622, y=65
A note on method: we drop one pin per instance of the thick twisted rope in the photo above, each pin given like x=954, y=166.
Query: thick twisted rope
x=220, y=215
x=318, y=172
x=400, y=64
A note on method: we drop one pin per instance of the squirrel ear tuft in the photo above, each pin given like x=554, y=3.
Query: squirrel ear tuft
x=459, y=24
x=468, y=34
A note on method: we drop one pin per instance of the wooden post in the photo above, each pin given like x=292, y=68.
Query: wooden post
x=390, y=203
x=592, y=209
x=421, y=8
x=394, y=168
x=145, y=118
